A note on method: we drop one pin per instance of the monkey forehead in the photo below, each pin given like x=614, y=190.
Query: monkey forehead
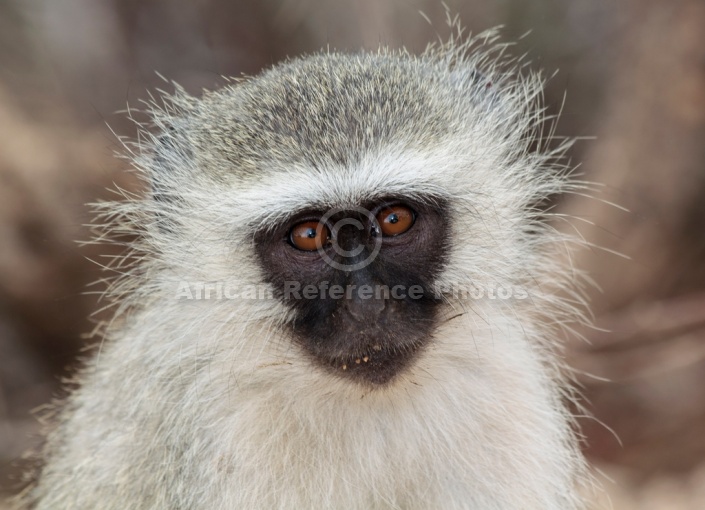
x=336, y=130
x=394, y=172
x=334, y=109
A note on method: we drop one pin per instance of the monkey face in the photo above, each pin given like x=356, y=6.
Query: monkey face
x=308, y=168
x=360, y=283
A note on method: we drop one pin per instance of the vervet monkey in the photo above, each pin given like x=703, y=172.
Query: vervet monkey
x=345, y=297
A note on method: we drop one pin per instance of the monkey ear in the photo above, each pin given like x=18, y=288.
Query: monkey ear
x=162, y=163
x=464, y=76
x=166, y=171
x=171, y=163
x=480, y=79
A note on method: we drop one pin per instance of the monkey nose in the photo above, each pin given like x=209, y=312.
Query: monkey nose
x=365, y=309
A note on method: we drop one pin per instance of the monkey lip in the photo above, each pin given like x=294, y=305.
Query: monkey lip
x=377, y=365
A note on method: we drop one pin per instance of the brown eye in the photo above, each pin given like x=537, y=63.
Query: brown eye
x=309, y=235
x=395, y=220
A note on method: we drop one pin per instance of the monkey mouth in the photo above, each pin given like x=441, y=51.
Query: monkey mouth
x=377, y=365
x=363, y=343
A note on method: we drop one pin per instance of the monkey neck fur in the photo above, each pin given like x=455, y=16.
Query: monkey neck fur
x=469, y=415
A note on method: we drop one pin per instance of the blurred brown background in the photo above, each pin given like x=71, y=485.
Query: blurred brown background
x=634, y=72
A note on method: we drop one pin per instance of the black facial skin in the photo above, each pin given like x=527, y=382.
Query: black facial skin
x=367, y=340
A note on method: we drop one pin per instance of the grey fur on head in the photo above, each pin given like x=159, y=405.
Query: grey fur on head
x=217, y=404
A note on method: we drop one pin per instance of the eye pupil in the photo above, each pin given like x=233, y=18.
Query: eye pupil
x=395, y=220
x=309, y=236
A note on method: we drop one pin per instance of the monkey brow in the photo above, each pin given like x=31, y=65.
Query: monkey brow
x=285, y=193
x=270, y=215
